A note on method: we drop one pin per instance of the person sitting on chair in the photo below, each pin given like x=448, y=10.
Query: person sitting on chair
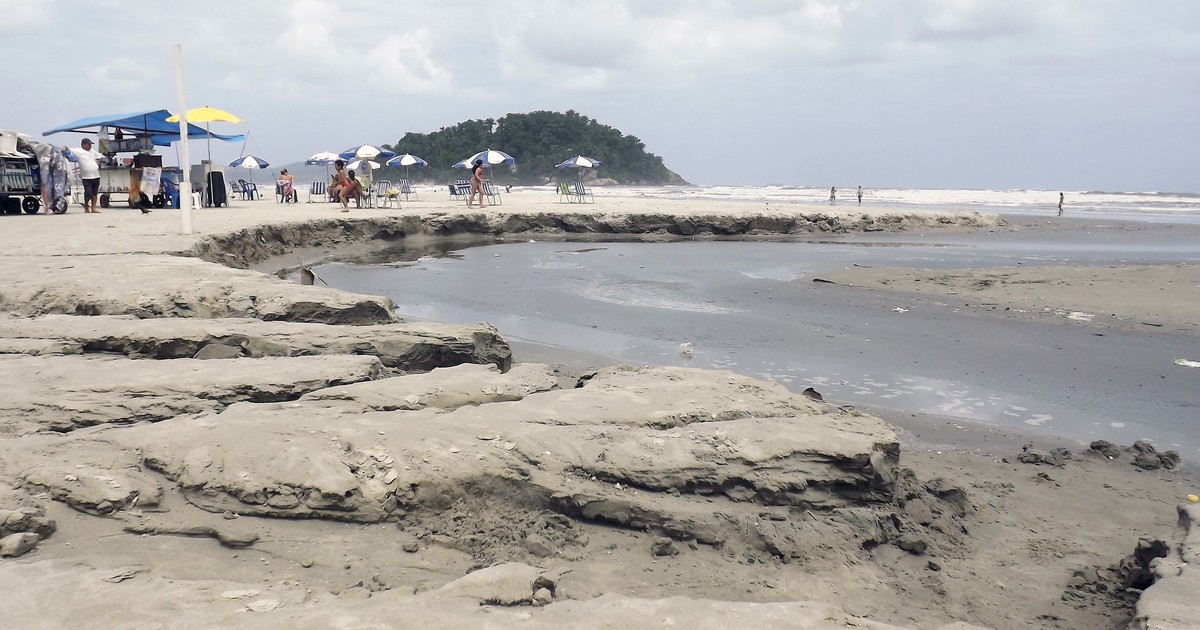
x=286, y=189
x=352, y=189
x=341, y=183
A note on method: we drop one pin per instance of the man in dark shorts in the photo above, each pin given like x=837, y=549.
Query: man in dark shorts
x=89, y=172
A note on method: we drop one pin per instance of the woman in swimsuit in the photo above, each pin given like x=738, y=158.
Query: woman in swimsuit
x=476, y=183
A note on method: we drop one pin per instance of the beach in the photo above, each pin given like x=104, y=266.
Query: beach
x=215, y=443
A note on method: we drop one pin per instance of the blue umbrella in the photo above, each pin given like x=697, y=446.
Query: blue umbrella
x=488, y=157
x=249, y=162
x=366, y=152
x=406, y=161
x=324, y=158
x=579, y=162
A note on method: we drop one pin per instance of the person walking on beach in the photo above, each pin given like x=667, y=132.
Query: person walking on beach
x=89, y=171
x=860, y=195
x=832, y=195
x=1060, y=203
x=476, y=183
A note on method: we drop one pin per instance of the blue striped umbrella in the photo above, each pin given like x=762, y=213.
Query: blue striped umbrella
x=249, y=162
x=488, y=157
x=366, y=152
x=579, y=162
x=407, y=160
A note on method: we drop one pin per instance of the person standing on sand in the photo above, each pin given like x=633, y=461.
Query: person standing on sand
x=89, y=171
x=476, y=183
x=832, y=195
x=1060, y=203
x=860, y=195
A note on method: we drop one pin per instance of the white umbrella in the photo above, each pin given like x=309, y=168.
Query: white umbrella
x=357, y=165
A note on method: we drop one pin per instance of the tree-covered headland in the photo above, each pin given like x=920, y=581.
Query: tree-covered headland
x=537, y=141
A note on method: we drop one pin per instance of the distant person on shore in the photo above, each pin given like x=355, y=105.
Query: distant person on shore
x=89, y=171
x=860, y=195
x=832, y=195
x=476, y=183
x=1060, y=203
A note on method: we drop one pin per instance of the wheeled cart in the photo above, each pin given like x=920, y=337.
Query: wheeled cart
x=18, y=188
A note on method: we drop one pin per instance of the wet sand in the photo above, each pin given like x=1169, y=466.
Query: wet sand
x=291, y=474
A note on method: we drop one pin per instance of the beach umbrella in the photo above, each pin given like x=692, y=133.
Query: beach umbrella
x=357, y=165
x=489, y=157
x=579, y=162
x=407, y=160
x=324, y=158
x=207, y=115
x=366, y=152
x=249, y=162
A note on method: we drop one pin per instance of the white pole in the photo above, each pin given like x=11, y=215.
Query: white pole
x=185, y=190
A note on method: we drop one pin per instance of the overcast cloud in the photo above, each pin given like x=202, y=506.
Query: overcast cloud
x=1056, y=94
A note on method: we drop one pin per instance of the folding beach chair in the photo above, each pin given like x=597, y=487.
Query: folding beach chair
x=406, y=189
x=583, y=193
x=565, y=192
x=318, y=190
x=493, y=195
x=384, y=198
x=460, y=189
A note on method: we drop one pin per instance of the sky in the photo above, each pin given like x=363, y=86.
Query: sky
x=987, y=94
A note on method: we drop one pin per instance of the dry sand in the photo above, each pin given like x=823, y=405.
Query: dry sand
x=185, y=444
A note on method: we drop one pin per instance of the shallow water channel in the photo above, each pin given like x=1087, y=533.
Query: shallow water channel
x=751, y=306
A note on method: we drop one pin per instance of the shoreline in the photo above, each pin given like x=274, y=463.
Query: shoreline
x=871, y=573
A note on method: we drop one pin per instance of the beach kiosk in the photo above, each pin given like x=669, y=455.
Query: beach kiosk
x=128, y=142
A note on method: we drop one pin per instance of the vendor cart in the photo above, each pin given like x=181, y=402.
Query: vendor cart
x=18, y=187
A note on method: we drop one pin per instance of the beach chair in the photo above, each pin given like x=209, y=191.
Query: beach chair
x=583, y=193
x=492, y=195
x=460, y=190
x=285, y=193
x=384, y=198
x=249, y=191
x=565, y=192
x=318, y=190
x=406, y=189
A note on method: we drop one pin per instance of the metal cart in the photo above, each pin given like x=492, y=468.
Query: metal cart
x=19, y=189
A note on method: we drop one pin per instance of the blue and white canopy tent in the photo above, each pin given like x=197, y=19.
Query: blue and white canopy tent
x=149, y=124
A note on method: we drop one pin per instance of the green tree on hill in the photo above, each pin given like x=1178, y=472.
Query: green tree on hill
x=537, y=141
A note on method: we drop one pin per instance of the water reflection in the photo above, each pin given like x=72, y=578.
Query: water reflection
x=751, y=307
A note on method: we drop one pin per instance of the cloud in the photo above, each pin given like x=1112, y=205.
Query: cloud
x=403, y=63
x=20, y=14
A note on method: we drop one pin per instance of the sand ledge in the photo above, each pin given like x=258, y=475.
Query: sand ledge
x=470, y=464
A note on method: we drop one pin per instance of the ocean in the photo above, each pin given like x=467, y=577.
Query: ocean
x=1159, y=207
